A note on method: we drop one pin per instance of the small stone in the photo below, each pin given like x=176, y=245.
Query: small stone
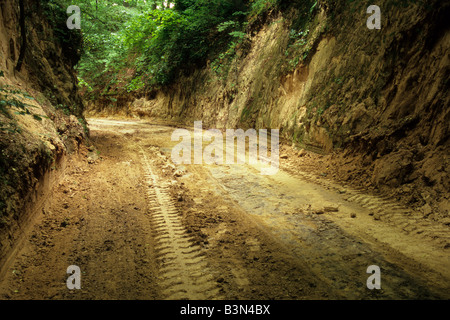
x=169, y=165
x=93, y=156
x=353, y=215
x=301, y=153
x=426, y=209
x=178, y=173
x=406, y=189
x=376, y=216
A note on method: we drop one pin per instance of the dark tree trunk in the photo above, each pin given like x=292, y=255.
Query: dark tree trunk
x=23, y=35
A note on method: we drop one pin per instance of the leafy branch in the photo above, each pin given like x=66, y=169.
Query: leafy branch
x=9, y=100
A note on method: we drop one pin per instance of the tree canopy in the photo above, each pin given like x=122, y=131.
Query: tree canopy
x=142, y=43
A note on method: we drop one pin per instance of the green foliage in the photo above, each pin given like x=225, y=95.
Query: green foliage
x=9, y=101
x=226, y=25
x=221, y=65
x=258, y=7
x=150, y=44
x=65, y=109
x=154, y=35
x=136, y=84
x=298, y=43
x=155, y=42
x=176, y=38
x=103, y=50
x=235, y=32
x=83, y=83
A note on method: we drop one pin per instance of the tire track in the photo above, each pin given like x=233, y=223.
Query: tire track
x=383, y=208
x=336, y=257
x=184, y=272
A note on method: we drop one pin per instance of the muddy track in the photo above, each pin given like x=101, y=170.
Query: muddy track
x=183, y=270
x=141, y=227
x=383, y=208
x=336, y=257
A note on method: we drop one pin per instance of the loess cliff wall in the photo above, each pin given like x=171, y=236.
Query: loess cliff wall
x=41, y=111
x=375, y=102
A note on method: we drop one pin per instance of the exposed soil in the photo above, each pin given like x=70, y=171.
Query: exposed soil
x=141, y=227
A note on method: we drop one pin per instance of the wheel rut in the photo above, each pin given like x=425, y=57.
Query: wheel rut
x=184, y=272
x=384, y=208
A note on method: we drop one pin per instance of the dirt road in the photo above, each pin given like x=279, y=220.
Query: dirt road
x=141, y=227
